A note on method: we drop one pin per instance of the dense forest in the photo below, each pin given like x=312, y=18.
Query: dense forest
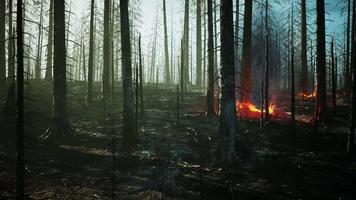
x=178, y=99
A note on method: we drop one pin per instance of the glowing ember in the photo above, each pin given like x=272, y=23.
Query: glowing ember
x=307, y=96
x=248, y=110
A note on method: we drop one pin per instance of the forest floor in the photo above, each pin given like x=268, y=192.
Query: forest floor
x=174, y=161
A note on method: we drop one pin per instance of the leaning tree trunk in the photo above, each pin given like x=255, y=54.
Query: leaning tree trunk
x=129, y=134
x=48, y=75
x=304, y=81
x=321, y=108
x=166, y=52
x=210, y=95
x=227, y=131
x=20, y=163
x=91, y=54
x=199, y=46
x=246, y=54
x=59, y=126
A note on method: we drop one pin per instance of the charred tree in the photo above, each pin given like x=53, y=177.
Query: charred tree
x=91, y=54
x=107, y=54
x=304, y=80
x=321, y=108
x=333, y=75
x=199, y=45
x=10, y=48
x=246, y=54
x=142, y=106
x=166, y=52
x=210, y=95
x=59, y=125
x=129, y=135
x=237, y=34
x=351, y=139
x=20, y=154
x=228, y=121
x=292, y=69
x=49, y=64
x=39, y=45
x=2, y=41
x=348, y=74
x=186, y=44
x=266, y=64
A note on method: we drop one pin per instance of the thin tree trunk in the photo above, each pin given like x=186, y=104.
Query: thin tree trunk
x=142, y=106
x=304, y=80
x=351, y=139
x=186, y=44
x=2, y=41
x=20, y=154
x=321, y=63
x=228, y=122
x=107, y=53
x=246, y=54
x=347, y=61
x=199, y=46
x=91, y=54
x=129, y=135
x=166, y=52
x=50, y=43
x=267, y=64
x=237, y=33
x=210, y=95
x=333, y=75
x=292, y=95
x=39, y=45
x=11, y=58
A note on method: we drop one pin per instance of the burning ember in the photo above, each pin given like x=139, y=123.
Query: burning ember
x=307, y=96
x=248, y=110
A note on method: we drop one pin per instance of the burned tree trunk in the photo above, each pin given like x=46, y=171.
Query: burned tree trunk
x=237, y=33
x=107, y=54
x=333, y=75
x=186, y=43
x=321, y=109
x=20, y=154
x=347, y=84
x=39, y=45
x=166, y=52
x=267, y=64
x=199, y=46
x=2, y=42
x=10, y=57
x=292, y=75
x=228, y=120
x=142, y=106
x=49, y=64
x=129, y=135
x=91, y=54
x=351, y=139
x=59, y=126
x=246, y=54
x=210, y=95
x=304, y=80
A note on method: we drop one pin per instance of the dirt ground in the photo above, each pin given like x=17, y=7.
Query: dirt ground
x=174, y=160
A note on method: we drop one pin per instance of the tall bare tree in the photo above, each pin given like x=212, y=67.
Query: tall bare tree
x=321, y=108
x=246, y=53
x=166, y=52
x=304, y=80
x=199, y=45
x=129, y=133
x=210, y=95
x=49, y=64
x=2, y=41
x=228, y=121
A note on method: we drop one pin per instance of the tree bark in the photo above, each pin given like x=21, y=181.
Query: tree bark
x=20, y=154
x=210, y=94
x=347, y=61
x=199, y=46
x=246, y=54
x=59, y=126
x=186, y=44
x=304, y=80
x=266, y=65
x=2, y=41
x=107, y=53
x=166, y=52
x=237, y=34
x=129, y=135
x=142, y=106
x=11, y=58
x=91, y=54
x=228, y=122
x=49, y=64
x=321, y=112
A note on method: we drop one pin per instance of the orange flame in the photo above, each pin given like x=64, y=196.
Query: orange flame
x=247, y=109
x=307, y=96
